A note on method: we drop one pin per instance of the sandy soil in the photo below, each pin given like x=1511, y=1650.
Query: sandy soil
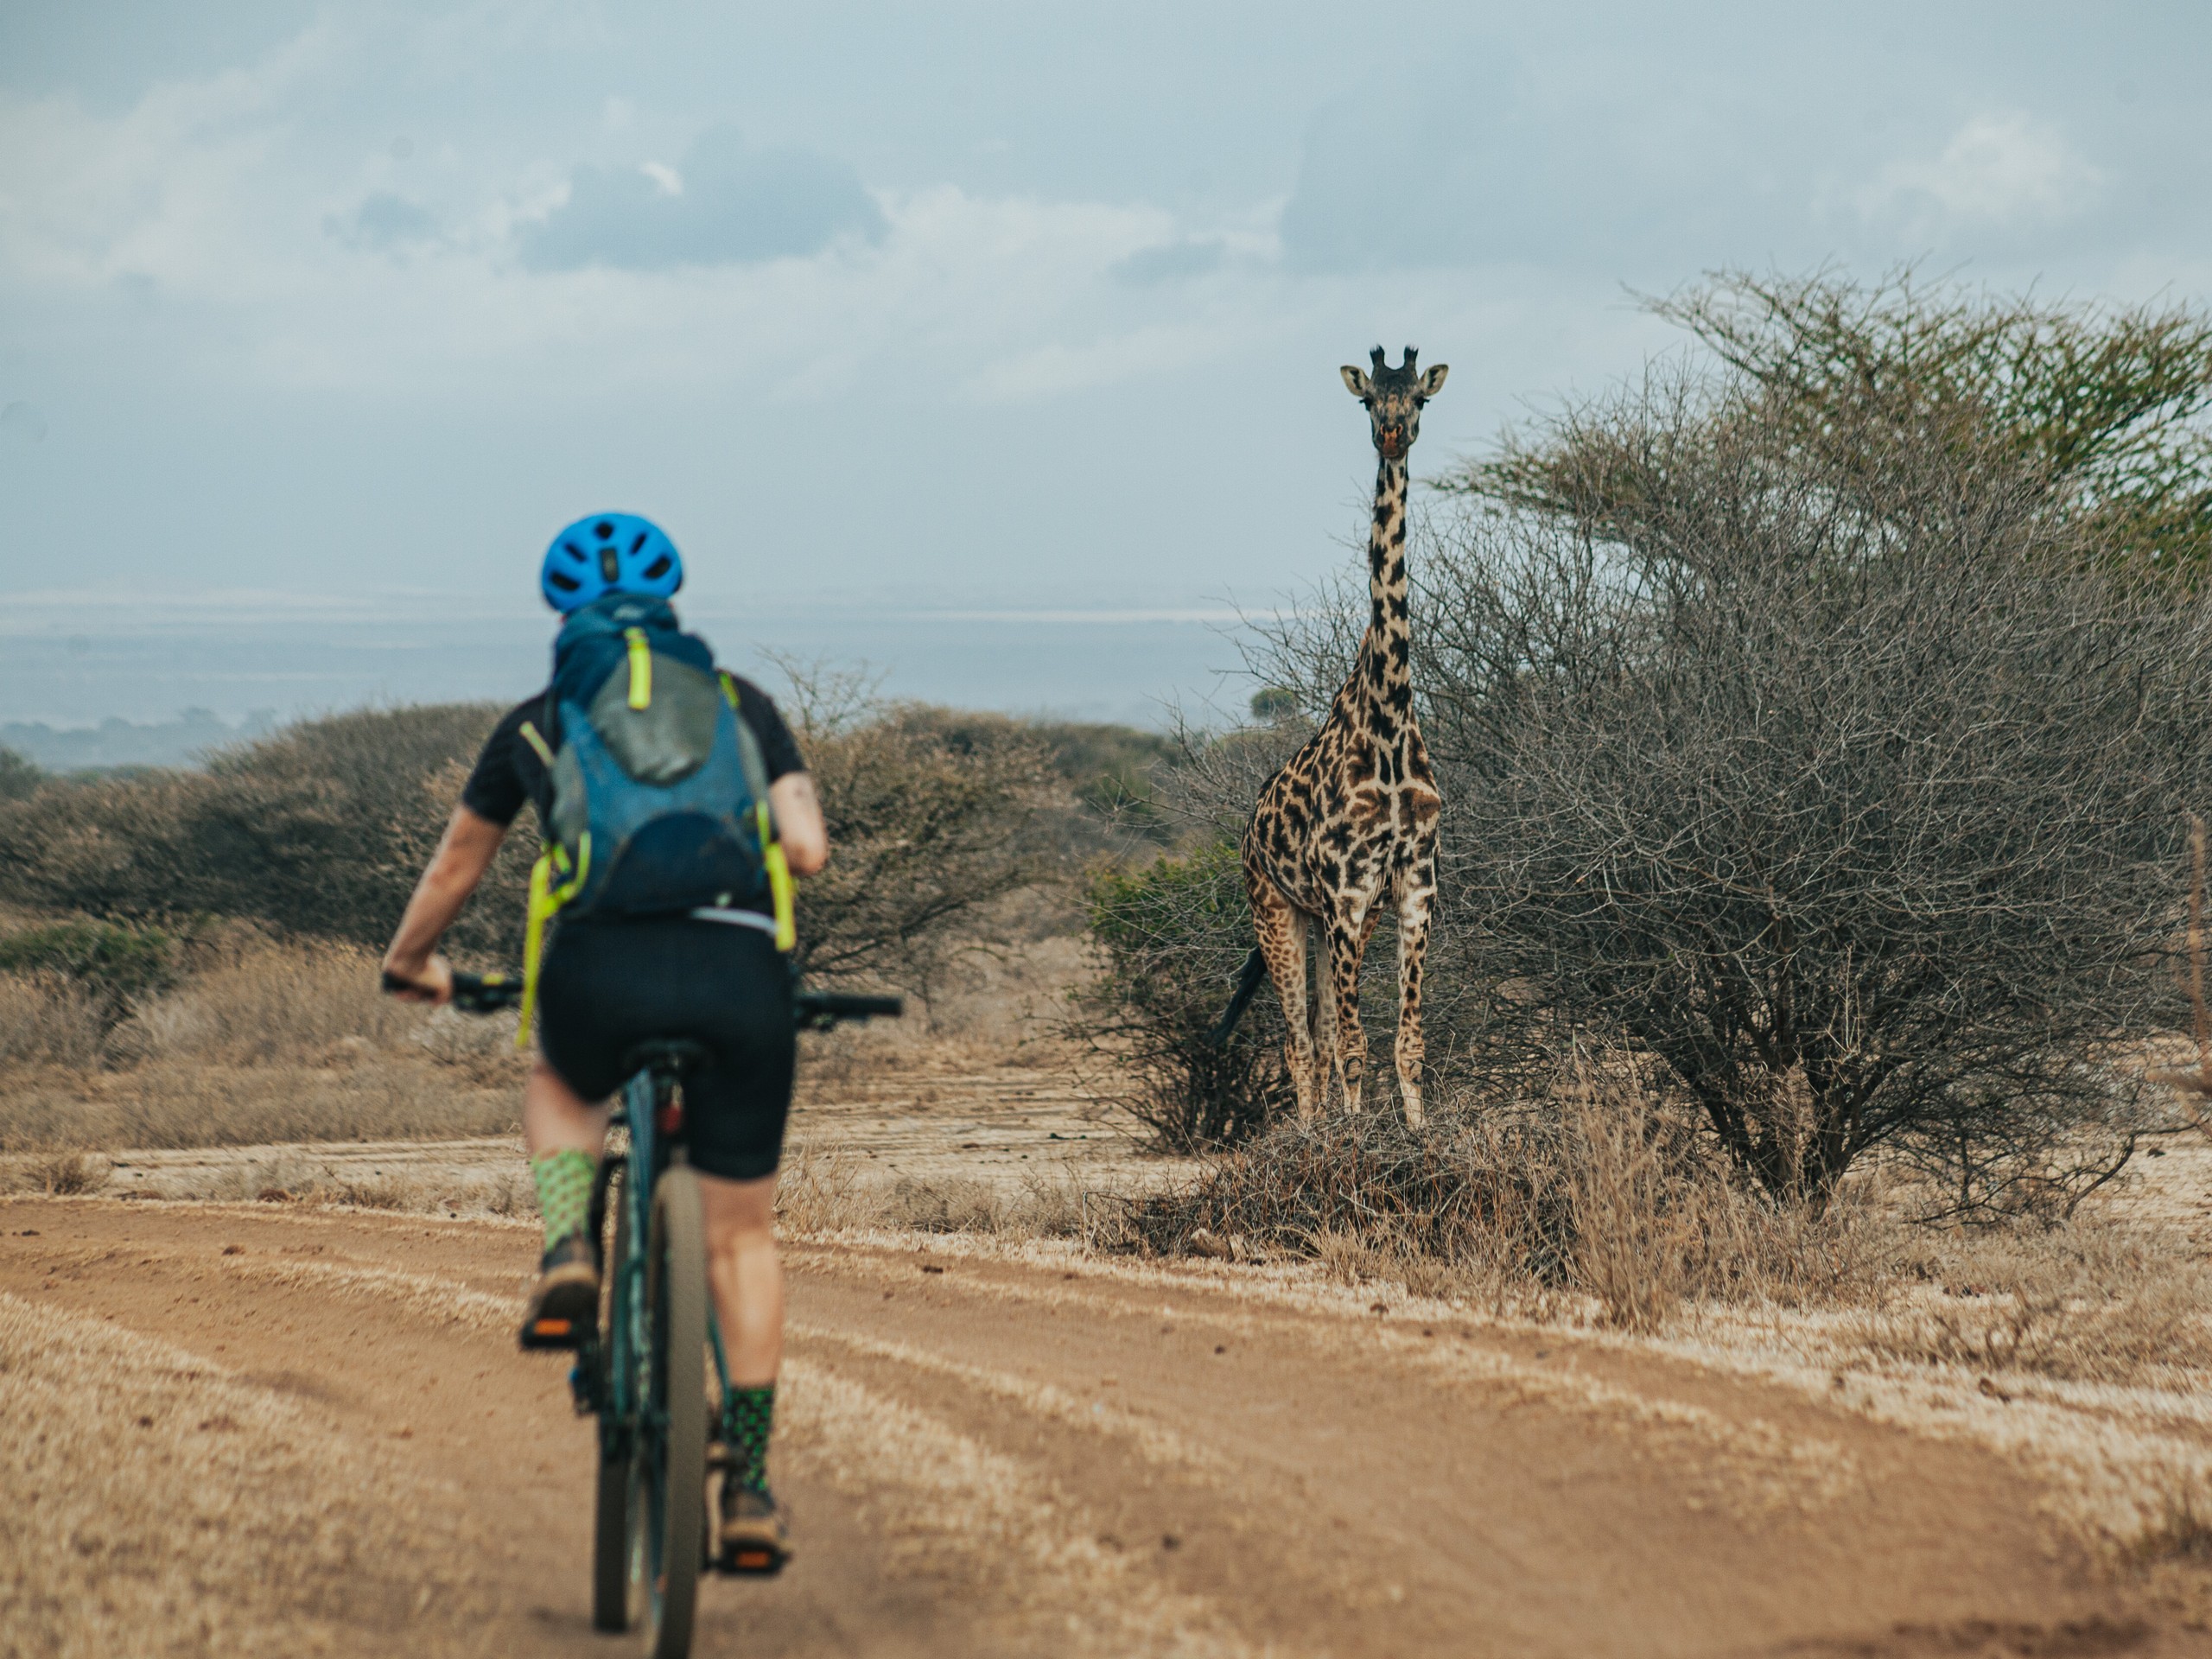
x=1012, y=1449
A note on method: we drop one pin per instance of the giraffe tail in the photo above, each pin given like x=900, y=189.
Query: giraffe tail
x=1247, y=983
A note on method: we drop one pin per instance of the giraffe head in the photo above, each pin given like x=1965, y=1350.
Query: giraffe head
x=1394, y=397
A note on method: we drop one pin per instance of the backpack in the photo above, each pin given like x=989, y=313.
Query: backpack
x=660, y=793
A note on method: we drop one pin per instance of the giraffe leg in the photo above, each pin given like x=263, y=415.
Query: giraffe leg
x=1282, y=929
x=1416, y=886
x=1347, y=943
x=1324, y=1020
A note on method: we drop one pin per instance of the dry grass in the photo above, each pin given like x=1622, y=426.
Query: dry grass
x=2100, y=1301
x=47, y=1021
x=272, y=1004
x=62, y=1174
x=267, y=1043
x=144, y=1496
x=827, y=1189
x=179, y=1104
x=1595, y=1200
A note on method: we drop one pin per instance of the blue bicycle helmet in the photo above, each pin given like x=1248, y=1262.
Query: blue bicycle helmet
x=609, y=553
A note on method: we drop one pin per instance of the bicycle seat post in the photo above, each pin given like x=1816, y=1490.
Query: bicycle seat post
x=669, y=1058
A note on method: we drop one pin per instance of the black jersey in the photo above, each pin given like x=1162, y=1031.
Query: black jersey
x=509, y=771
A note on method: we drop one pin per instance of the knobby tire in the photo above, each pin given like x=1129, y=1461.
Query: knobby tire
x=610, y=1537
x=669, y=1514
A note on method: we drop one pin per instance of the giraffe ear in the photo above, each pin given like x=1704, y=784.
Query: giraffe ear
x=1433, y=382
x=1356, y=382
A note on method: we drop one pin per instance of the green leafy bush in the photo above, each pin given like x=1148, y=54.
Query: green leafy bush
x=322, y=830
x=319, y=830
x=113, y=965
x=19, y=777
x=1173, y=935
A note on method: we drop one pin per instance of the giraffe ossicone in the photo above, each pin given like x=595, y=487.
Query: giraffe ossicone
x=1349, y=824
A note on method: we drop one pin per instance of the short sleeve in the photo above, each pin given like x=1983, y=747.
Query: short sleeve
x=495, y=790
x=779, y=748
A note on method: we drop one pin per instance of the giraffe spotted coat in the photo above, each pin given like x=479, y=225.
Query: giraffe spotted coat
x=1348, y=828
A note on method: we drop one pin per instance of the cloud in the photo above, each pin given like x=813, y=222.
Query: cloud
x=383, y=223
x=1998, y=169
x=20, y=426
x=1491, y=176
x=1169, y=262
x=724, y=204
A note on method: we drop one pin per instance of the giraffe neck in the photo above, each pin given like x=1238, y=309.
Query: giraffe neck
x=1386, y=664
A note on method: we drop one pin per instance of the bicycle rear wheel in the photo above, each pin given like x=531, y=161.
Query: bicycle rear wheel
x=668, y=1470
x=610, y=1538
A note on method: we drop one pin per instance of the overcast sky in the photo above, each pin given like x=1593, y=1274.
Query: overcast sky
x=954, y=300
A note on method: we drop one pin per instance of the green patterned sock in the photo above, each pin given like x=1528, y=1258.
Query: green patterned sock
x=563, y=1192
x=747, y=1415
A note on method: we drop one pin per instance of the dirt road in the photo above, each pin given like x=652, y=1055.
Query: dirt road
x=1025, y=1452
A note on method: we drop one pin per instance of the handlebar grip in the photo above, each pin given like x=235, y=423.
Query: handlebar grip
x=484, y=993
x=814, y=1010
x=819, y=1010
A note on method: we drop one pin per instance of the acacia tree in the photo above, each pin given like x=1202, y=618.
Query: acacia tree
x=1822, y=740
x=2095, y=415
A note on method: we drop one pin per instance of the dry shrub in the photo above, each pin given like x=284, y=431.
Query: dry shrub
x=193, y=1104
x=63, y=1174
x=303, y=1003
x=2088, y=1303
x=1593, y=1191
x=321, y=828
x=2183, y=1527
x=942, y=1206
x=823, y=1190
x=47, y=1019
x=817, y=1191
x=936, y=817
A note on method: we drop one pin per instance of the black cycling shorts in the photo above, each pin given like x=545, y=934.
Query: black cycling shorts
x=607, y=985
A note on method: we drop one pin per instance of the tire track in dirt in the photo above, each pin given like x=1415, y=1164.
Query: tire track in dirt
x=995, y=1454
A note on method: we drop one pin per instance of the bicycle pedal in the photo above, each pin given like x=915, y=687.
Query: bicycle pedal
x=751, y=1560
x=558, y=1334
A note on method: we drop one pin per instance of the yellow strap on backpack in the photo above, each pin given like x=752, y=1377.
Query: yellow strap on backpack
x=641, y=669
x=772, y=847
x=544, y=750
x=545, y=902
x=779, y=880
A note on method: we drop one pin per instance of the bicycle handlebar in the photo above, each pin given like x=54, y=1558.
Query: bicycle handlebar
x=810, y=1010
x=819, y=1010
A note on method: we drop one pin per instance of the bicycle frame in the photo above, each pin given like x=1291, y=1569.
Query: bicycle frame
x=649, y=1111
x=651, y=1323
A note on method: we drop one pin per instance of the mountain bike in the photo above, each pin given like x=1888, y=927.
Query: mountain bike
x=654, y=1372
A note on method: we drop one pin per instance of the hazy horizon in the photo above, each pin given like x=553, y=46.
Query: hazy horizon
x=316, y=318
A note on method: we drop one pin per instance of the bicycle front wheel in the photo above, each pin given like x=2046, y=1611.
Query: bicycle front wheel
x=668, y=1465
x=610, y=1539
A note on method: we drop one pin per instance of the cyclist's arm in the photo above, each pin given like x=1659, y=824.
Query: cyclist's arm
x=798, y=823
x=469, y=845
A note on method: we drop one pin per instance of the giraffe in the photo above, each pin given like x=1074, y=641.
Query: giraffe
x=1351, y=819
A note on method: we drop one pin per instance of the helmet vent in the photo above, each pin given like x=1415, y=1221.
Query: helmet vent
x=607, y=553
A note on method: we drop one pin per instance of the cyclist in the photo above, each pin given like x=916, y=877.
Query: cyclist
x=713, y=975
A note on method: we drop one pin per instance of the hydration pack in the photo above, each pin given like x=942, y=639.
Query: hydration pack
x=660, y=793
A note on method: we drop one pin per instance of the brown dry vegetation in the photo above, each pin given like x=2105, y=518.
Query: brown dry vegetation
x=269, y=1042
